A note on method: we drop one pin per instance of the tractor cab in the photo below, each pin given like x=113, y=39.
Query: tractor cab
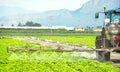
x=115, y=18
x=112, y=17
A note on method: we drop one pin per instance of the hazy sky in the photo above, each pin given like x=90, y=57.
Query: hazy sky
x=44, y=5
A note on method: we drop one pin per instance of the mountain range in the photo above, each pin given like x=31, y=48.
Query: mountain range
x=81, y=17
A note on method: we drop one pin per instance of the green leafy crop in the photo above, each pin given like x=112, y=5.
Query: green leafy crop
x=46, y=62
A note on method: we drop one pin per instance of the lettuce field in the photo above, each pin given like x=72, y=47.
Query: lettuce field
x=79, y=40
x=49, y=61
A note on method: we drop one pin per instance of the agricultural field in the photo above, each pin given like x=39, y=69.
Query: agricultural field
x=47, y=61
x=78, y=40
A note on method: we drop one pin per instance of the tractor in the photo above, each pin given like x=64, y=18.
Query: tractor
x=109, y=40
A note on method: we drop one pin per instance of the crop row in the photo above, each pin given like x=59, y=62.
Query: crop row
x=56, y=66
x=80, y=40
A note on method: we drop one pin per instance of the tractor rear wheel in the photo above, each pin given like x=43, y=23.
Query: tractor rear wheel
x=102, y=55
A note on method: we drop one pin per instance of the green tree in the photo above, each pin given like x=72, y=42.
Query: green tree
x=29, y=23
x=37, y=24
x=12, y=25
x=19, y=24
x=2, y=25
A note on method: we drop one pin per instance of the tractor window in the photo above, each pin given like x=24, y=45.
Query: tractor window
x=116, y=17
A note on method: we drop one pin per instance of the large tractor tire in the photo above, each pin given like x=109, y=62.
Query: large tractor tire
x=102, y=55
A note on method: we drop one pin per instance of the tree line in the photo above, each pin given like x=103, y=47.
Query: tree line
x=28, y=23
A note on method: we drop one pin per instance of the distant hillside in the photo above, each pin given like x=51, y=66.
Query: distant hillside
x=51, y=18
x=5, y=11
x=81, y=17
